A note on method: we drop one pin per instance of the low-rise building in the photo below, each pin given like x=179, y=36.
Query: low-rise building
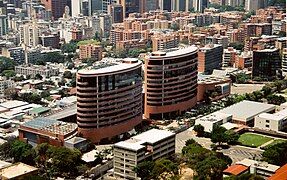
x=43, y=130
x=32, y=70
x=213, y=86
x=17, y=171
x=91, y=51
x=77, y=142
x=273, y=122
x=5, y=84
x=259, y=168
x=212, y=120
x=150, y=145
x=245, y=111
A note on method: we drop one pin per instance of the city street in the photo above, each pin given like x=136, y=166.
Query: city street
x=236, y=153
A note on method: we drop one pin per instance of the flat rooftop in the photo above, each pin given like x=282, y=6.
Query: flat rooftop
x=109, y=65
x=245, y=110
x=16, y=170
x=214, y=117
x=49, y=125
x=174, y=52
x=207, y=79
x=13, y=104
x=151, y=136
x=66, y=112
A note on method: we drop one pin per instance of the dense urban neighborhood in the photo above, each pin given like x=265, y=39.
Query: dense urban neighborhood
x=143, y=89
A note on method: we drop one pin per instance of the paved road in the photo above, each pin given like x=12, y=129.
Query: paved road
x=245, y=88
x=236, y=153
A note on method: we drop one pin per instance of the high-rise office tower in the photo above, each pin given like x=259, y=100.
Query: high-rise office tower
x=109, y=99
x=266, y=64
x=83, y=7
x=253, y=5
x=165, y=5
x=200, y=5
x=56, y=7
x=3, y=25
x=131, y=6
x=170, y=83
x=116, y=11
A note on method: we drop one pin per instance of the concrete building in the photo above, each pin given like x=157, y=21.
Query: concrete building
x=244, y=112
x=214, y=86
x=116, y=11
x=17, y=54
x=109, y=98
x=164, y=41
x=43, y=130
x=32, y=70
x=29, y=34
x=209, y=58
x=212, y=120
x=5, y=84
x=284, y=61
x=260, y=168
x=150, y=145
x=266, y=64
x=244, y=60
x=91, y=51
x=273, y=122
x=229, y=57
x=170, y=82
x=56, y=7
x=3, y=25
x=200, y=5
x=131, y=6
x=18, y=171
x=253, y=5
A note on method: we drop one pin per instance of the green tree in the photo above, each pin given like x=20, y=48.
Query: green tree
x=245, y=176
x=45, y=94
x=199, y=129
x=8, y=73
x=211, y=168
x=164, y=166
x=237, y=45
x=38, y=76
x=267, y=90
x=218, y=135
x=70, y=47
x=231, y=137
x=190, y=141
x=67, y=74
x=54, y=57
x=6, y=64
x=275, y=99
x=22, y=152
x=174, y=26
x=276, y=154
x=40, y=62
x=144, y=169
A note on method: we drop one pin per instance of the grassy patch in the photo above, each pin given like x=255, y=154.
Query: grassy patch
x=276, y=141
x=253, y=140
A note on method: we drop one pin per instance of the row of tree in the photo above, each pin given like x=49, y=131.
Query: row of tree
x=51, y=161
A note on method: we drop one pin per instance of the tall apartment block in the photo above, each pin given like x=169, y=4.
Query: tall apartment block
x=284, y=61
x=229, y=57
x=109, y=98
x=170, y=82
x=57, y=7
x=91, y=51
x=167, y=41
x=150, y=145
x=266, y=64
x=209, y=58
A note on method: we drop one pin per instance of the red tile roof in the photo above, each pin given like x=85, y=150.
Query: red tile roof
x=235, y=169
x=280, y=174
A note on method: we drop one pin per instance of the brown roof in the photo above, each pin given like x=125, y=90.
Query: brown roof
x=235, y=169
x=280, y=174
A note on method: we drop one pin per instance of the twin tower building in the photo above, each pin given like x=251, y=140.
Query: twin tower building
x=110, y=98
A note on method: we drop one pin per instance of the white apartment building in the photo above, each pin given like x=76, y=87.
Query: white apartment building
x=29, y=34
x=45, y=71
x=150, y=145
